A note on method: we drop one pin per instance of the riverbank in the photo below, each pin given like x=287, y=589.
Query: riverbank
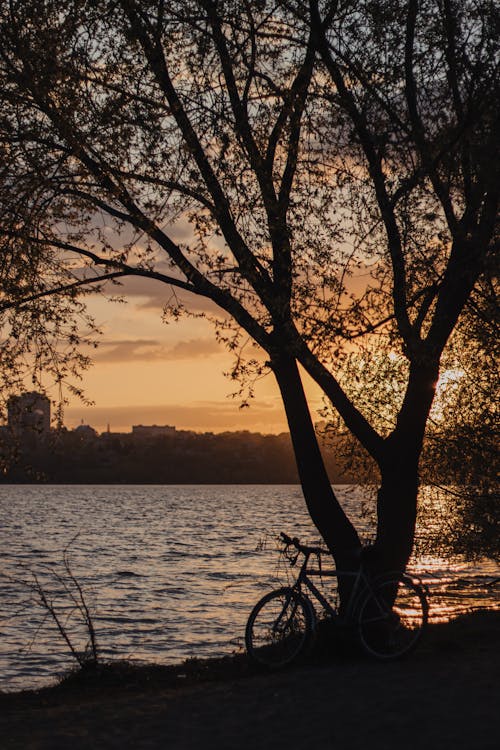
x=443, y=696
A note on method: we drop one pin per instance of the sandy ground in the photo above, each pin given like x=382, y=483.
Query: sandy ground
x=443, y=697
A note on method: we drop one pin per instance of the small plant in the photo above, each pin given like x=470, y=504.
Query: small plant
x=61, y=596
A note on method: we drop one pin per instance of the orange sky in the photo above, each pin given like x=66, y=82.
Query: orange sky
x=148, y=372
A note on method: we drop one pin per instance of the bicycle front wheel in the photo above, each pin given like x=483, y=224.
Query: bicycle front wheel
x=392, y=617
x=280, y=628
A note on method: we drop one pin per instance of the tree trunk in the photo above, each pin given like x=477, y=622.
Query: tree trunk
x=397, y=496
x=396, y=516
x=325, y=510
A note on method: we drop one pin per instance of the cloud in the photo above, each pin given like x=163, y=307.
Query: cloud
x=141, y=350
x=194, y=348
x=151, y=294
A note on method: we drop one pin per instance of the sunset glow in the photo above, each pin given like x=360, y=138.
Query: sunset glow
x=148, y=372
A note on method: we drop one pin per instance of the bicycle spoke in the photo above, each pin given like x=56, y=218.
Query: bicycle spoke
x=392, y=618
x=279, y=628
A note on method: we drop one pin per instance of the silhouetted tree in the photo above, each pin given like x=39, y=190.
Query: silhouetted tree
x=463, y=435
x=416, y=84
x=336, y=164
x=40, y=335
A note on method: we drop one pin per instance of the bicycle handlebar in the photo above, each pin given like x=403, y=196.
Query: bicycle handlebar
x=304, y=548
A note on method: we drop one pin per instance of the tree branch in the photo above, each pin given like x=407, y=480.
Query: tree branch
x=354, y=420
x=63, y=289
x=376, y=172
x=250, y=266
x=415, y=119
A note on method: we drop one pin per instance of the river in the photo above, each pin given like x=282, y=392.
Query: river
x=168, y=572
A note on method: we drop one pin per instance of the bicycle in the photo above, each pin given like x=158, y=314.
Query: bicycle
x=389, y=612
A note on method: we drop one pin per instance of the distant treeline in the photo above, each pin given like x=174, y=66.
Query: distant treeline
x=68, y=457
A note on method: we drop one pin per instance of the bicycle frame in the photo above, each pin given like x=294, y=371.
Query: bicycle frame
x=360, y=586
x=388, y=612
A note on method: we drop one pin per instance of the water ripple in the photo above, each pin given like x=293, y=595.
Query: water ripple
x=168, y=572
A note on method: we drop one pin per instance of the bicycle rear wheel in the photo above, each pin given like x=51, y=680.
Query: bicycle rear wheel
x=392, y=617
x=280, y=628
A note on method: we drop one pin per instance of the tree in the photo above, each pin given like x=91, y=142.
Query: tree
x=304, y=156
x=40, y=334
x=41, y=340
x=463, y=435
x=414, y=81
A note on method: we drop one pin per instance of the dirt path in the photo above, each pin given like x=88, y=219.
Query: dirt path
x=444, y=697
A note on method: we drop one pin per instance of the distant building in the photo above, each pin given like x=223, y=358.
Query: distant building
x=29, y=413
x=85, y=431
x=153, y=430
